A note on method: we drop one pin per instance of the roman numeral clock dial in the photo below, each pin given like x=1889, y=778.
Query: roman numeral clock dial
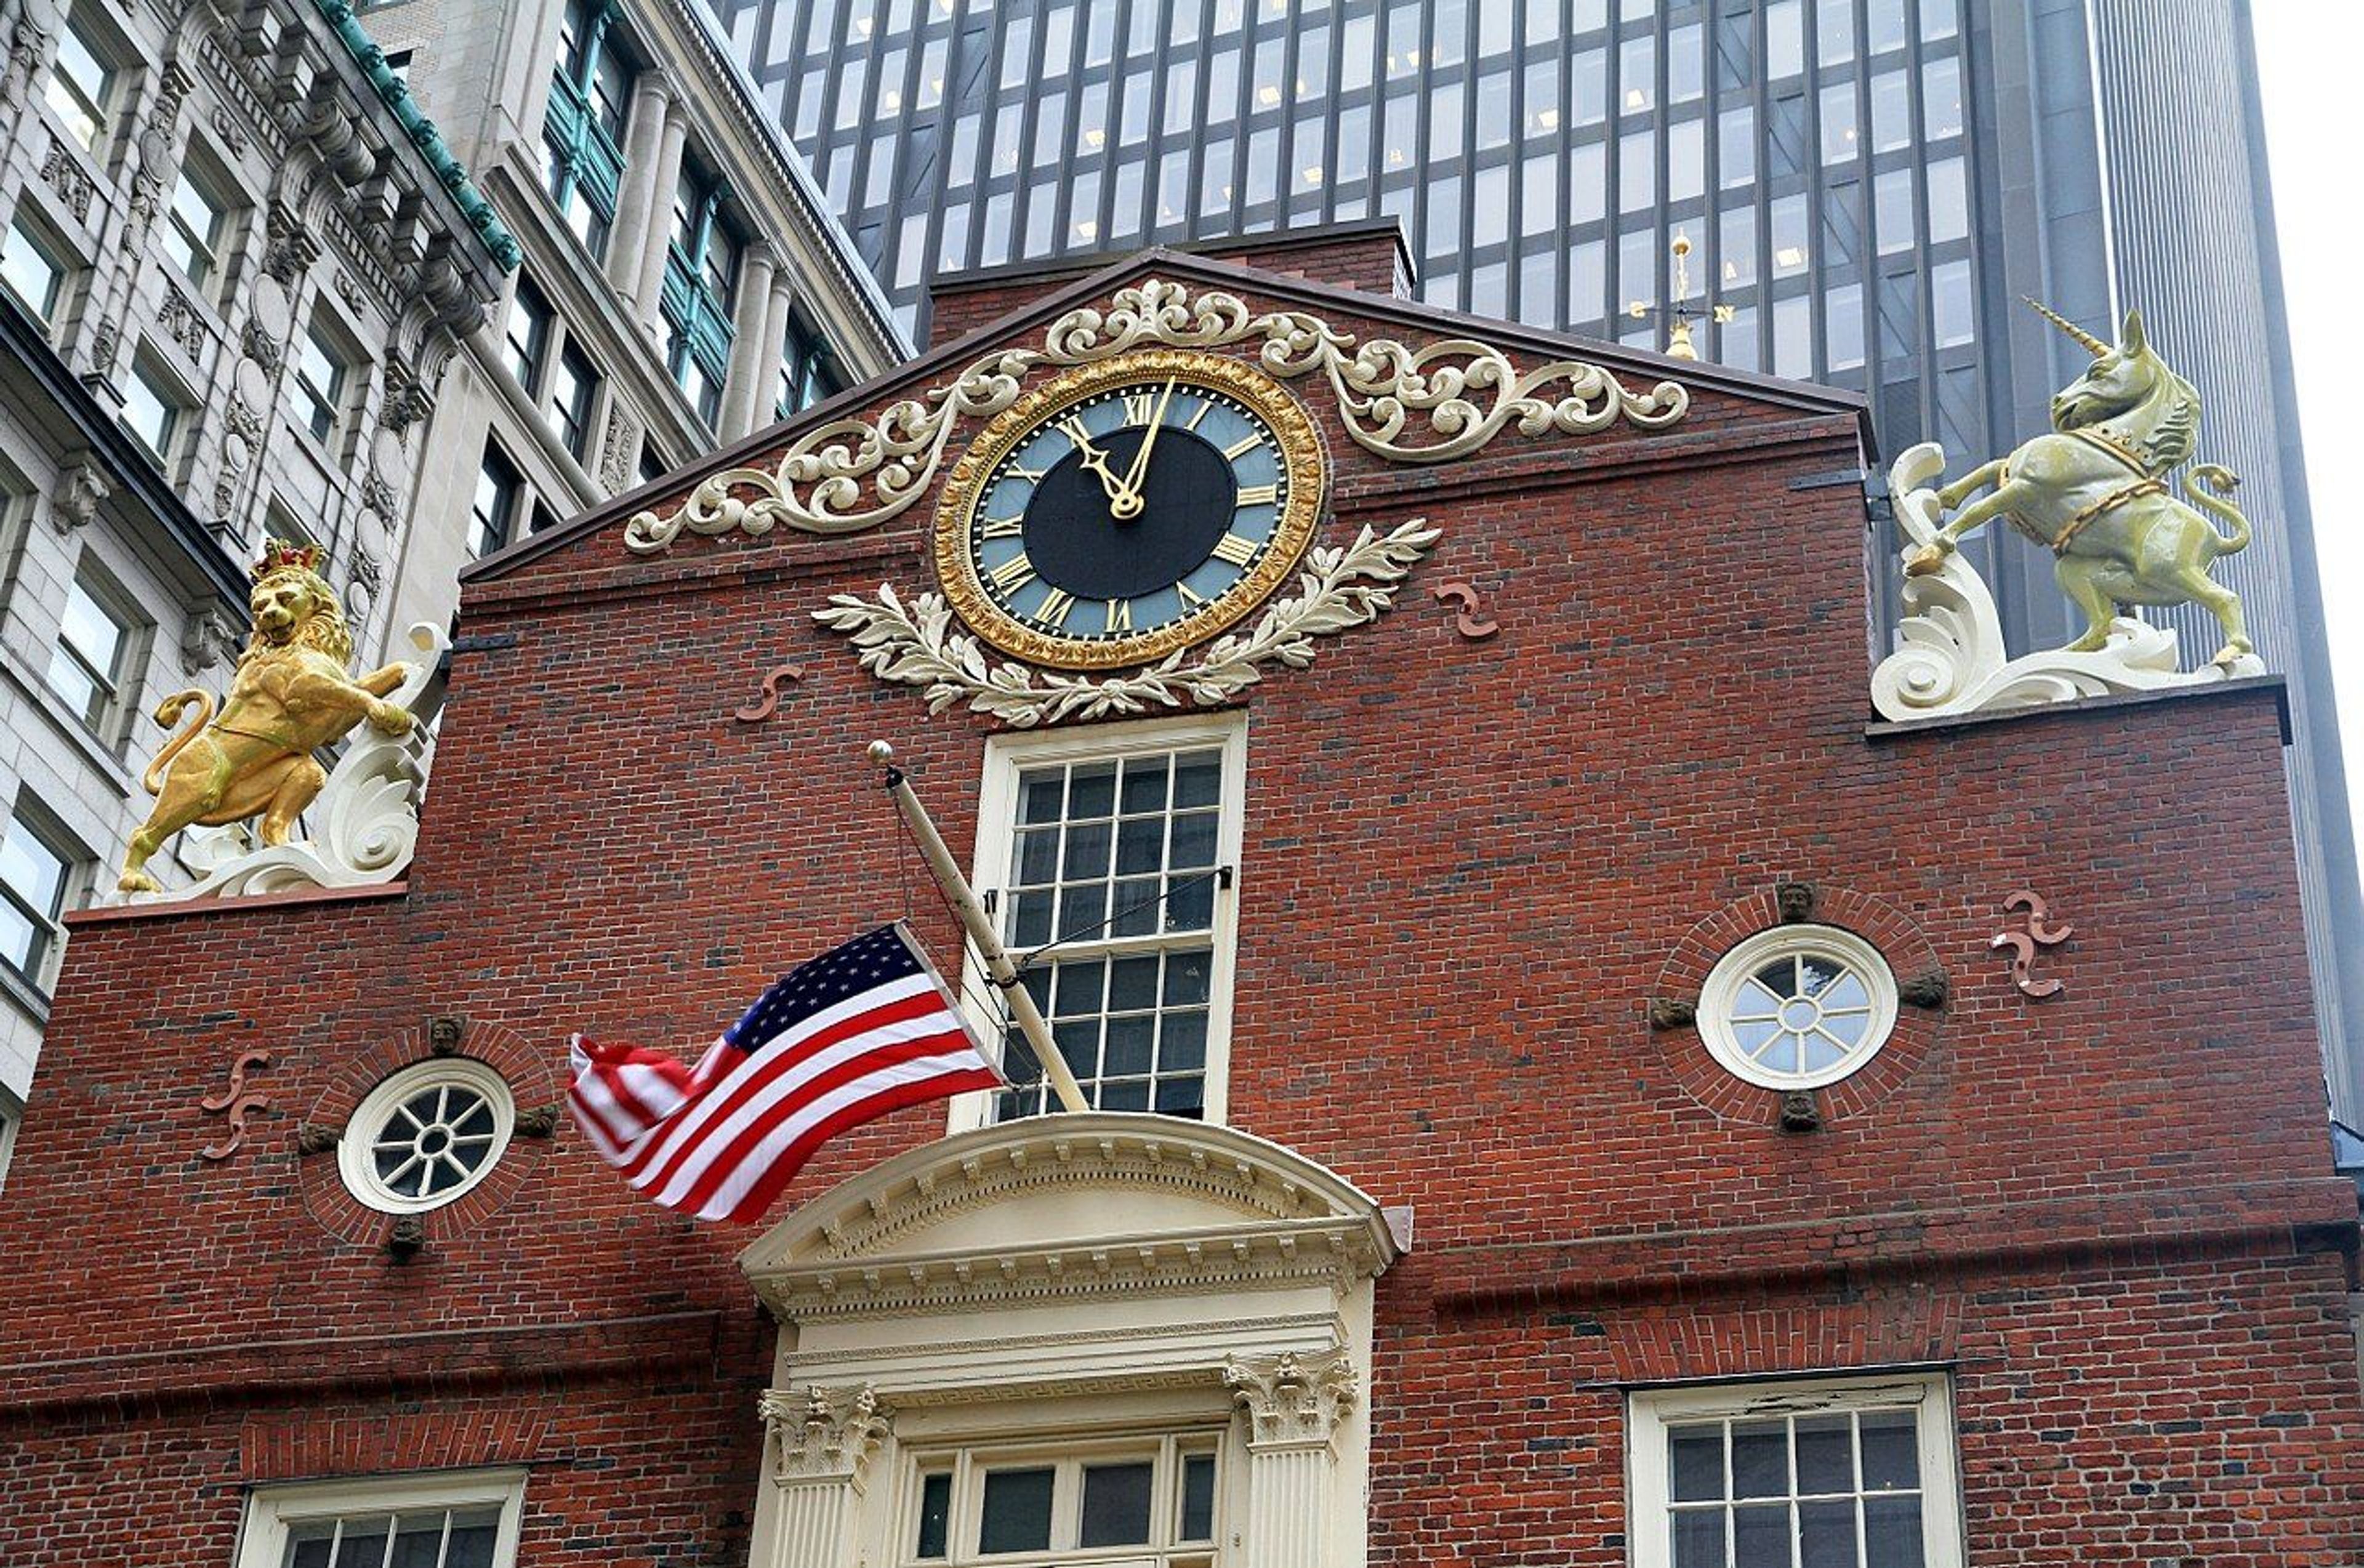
x=1127, y=509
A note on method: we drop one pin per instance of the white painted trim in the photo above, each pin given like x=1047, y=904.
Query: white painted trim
x=1723, y=989
x=1649, y=1412
x=272, y=1510
x=1006, y=756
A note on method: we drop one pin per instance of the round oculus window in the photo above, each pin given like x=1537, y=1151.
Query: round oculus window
x=426, y=1135
x=1798, y=1006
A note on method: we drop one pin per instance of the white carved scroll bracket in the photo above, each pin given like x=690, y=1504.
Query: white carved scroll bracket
x=1950, y=659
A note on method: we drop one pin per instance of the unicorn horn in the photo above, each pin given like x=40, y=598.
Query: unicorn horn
x=2093, y=344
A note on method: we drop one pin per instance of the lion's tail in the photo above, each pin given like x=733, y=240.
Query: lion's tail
x=168, y=713
x=2220, y=482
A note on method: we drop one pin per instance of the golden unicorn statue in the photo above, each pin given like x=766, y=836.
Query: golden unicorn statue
x=293, y=693
x=2094, y=493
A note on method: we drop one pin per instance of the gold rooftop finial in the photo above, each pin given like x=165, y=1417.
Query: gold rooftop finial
x=1678, y=324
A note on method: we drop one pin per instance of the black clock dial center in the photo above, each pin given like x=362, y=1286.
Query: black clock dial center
x=1187, y=499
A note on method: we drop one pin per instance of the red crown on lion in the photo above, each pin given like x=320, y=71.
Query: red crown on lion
x=279, y=554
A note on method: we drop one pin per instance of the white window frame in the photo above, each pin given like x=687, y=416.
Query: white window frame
x=968, y=1455
x=1649, y=1413
x=202, y=269
x=355, y=1163
x=116, y=684
x=82, y=103
x=334, y=400
x=160, y=385
x=74, y=863
x=1006, y=757
x=272, y=1511
x=1721, y=992
x=27, y=233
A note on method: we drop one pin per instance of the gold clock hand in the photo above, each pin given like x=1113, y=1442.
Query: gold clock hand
x=1129, y=503
x=1094, y=460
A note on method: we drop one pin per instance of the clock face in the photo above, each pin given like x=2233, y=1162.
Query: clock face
x=1129, y=509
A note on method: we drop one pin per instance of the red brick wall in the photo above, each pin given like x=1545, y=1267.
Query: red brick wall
x=1468, y=865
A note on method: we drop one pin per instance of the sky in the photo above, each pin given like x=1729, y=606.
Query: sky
x=2306, y=55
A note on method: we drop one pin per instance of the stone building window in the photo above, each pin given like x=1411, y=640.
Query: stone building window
x=525, y=340
x=700, y=285
x=318, y=384
x=194, y=230
x=81, y=86
x=38, y=866
x=1106, y=854
x=30, y=266
x=583, y=130
x=1798, y=1006
x=427, y=1135
x=86, y=663
x=493, y=515
x=1793, y=1475
x=153, y=408
x=450, y=1520
x=809, y=369
x=574, y=385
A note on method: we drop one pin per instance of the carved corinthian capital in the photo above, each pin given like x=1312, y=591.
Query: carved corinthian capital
x=827, y=1434
x=1292, y=1399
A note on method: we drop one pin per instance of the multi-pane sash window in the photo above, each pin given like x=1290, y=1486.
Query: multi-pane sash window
x=700, y=281
x=192, y=230
x=35, y=868
x=86, y=662
x=1856, y=1475
x=30, y=268
x=1111, y=892
x=319, y=382
x=527, y=336
x=493, y=515
x=81, y=88
x=573, y=383
x=452, y=1519
x=1141, y=1503
x=582, y=134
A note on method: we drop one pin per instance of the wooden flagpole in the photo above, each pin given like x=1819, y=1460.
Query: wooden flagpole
x=979, y=924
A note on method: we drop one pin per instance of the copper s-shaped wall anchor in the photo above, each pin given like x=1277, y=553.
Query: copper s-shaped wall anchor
x=2023, y=945
x=767, y=701
x=238, y=1099
x=1466, y=621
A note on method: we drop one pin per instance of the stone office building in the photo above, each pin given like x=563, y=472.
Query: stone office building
x=252, y=290
x=1556, y=1097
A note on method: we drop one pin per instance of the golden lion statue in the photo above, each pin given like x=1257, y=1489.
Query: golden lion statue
x=291, y=694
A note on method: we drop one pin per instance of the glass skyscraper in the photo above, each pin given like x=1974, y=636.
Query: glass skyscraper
x=1868, y=186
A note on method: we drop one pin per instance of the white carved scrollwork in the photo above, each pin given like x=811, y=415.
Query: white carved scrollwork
x=916, y=643
x=1408, y=405
x=1950, y=657
x=827, y=1434
x=365, y=819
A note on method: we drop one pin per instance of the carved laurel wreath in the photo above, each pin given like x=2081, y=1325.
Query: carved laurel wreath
x=917, y=644
x=1454, y=395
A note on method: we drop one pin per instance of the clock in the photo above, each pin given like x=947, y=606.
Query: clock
x=1130, y=508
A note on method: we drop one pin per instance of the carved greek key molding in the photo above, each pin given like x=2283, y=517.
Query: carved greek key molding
x=918, y=645
x=1407, y=405
x=1293, y=1400
x=825, y=1436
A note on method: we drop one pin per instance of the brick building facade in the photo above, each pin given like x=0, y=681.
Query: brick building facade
x=1491, y=1241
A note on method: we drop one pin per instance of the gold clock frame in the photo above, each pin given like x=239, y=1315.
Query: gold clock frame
x=1302, y=458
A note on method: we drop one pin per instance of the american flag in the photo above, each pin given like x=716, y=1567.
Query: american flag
x=859, y=1031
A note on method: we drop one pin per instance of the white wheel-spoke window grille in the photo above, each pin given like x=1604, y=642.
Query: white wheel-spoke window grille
x=426, y=1135
x=1798, y=1006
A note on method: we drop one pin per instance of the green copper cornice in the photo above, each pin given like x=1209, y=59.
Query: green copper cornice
x=423, y=135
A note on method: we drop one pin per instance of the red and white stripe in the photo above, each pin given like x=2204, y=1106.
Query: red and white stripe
x=721, y=1140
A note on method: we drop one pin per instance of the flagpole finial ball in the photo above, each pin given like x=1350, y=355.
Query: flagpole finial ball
x=881, y=752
